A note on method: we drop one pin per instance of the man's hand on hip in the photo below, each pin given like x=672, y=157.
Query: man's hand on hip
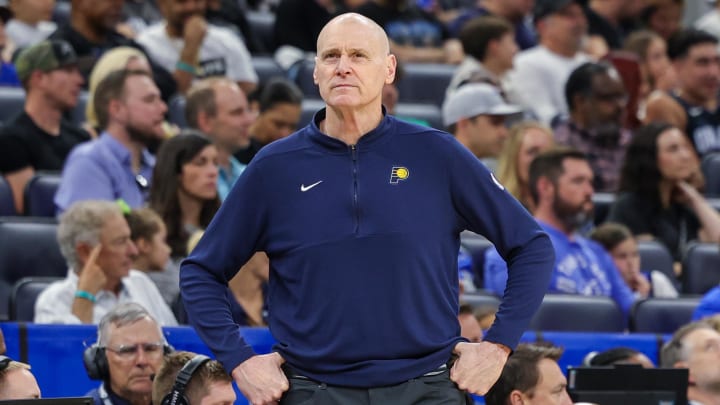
x=478, y=366
x=260, y=378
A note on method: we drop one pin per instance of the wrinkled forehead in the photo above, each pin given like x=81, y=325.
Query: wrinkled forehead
x=353, y=32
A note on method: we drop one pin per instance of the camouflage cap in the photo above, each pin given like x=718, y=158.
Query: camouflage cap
x=46, y=55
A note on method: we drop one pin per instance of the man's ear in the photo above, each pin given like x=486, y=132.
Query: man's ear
x=204, y=122
x=516, y=398
x=544, y=186
x=391, y=69
x=143, y=245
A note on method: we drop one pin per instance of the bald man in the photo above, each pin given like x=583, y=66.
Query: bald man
x=360, y=215
x=16, y=381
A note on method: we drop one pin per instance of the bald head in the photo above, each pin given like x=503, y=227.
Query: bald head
x=373, y=31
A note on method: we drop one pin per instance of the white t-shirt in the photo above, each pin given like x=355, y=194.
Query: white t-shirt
x=222, y=52
x=537, y=81
x=710, y=23
x=54, y=304
x=24, y=35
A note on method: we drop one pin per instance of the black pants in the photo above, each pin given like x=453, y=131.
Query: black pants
x=426, y=390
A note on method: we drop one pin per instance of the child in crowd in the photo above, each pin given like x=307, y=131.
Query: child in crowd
x=622, y=246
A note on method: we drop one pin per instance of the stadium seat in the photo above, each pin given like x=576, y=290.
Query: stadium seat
x=7, y=203
x=262, y=25
x=662, y=315
x=176, y=111
x=602, y=202
x=77, y=114
x=701, y=268
x=24, y=294
x=12, y=102
x=711, y=170
x=39, y=194
x=429, y=113
x=425, y=83
x=309, y=107
x=655, y=256
x=28, y=248
x=266, y=68
x=480, y=300
x=578, y=313
x=476, y=246
x=301, y=72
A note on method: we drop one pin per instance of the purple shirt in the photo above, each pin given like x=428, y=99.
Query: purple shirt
x=102, y=170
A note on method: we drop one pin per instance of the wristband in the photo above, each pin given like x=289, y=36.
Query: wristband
x=185, y=67
x=85, y=295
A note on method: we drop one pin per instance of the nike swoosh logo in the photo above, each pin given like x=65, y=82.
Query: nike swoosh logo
x=305, y=188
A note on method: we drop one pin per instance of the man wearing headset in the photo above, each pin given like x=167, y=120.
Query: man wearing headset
x=192, y=379
x=16, y=380
x=128, y=353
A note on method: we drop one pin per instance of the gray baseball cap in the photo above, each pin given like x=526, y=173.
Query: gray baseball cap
x=475, y=99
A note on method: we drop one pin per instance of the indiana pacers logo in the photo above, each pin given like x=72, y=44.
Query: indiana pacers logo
x=399, y=173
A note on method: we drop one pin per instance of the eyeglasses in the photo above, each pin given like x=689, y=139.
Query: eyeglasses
x=130, y=351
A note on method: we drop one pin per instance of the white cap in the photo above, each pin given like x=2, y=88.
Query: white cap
x=474, y=99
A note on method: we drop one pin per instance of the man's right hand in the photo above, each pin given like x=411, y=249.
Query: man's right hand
x=194, y=31
x=260, y=378
x=92, y=278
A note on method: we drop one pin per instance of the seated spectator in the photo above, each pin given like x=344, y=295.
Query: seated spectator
x=278, y=104
x=16, y=381
x=597, y=100
x=218, y=108
x=185, y=44
x=514, y=12
x=658, y=198
x=531, y=376
x=657, y=72
x=118, y=164
x=31, y=22
x=94, y=239
x=617, y=355
x=120, y=58
x=187, y=198
x=469, y=325
x=489, y=51
x=663, y=16
x=148, y=232
x=40, y=138
x=526, y=140
x=92, y=31
x=204, y=381
x=138, y=15
x=476, y=115
x=612, y=20
x=696, y=347
x=618, y=240
x=231, y=14
x=415, y=35
x=298, y=23
x=8, y=75
x=539, y=74
x=128, y=353
x=561, y=187
x=693, y=105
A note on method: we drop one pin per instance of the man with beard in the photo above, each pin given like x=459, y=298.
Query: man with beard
x=696, y=347
x=597, y=101
x=185, y=44
x=118, y=164
x=561, y=187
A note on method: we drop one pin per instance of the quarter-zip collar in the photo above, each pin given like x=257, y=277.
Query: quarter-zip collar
x=376, y=136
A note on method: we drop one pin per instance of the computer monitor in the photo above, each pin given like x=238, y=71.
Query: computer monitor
x=628, y=385
x=50, y=401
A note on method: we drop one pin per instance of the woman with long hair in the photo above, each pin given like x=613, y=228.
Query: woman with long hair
x=659, y=195
x=526, y=140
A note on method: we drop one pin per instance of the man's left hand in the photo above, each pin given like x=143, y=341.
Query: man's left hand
x=478, y=366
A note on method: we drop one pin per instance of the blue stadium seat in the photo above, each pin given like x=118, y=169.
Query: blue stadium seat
x=7, y=203
x=28, y=247
x=176, y=111
x=602, y=202
x=77, y=115
x=262, y=25
x=656, y=256
x=301, y=72
x=266, y=68
x=309, y=107
x=429, y=113
x=40, y=194
x=578, y=313
x=662, y=315
x=425, y=82
x=476, y=246
x=23, y=297
x=12, y=102
x=701, y=268
x=711, y=170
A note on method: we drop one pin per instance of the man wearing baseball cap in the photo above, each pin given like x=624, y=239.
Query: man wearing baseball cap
x=476, y=114
x=40, y=138
x=540, y=73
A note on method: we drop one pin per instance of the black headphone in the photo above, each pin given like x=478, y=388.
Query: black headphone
x=96, y=364
x=4, y=362
x=177, y=395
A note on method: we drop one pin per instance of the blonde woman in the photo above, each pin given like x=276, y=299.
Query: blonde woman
x=526, y=140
